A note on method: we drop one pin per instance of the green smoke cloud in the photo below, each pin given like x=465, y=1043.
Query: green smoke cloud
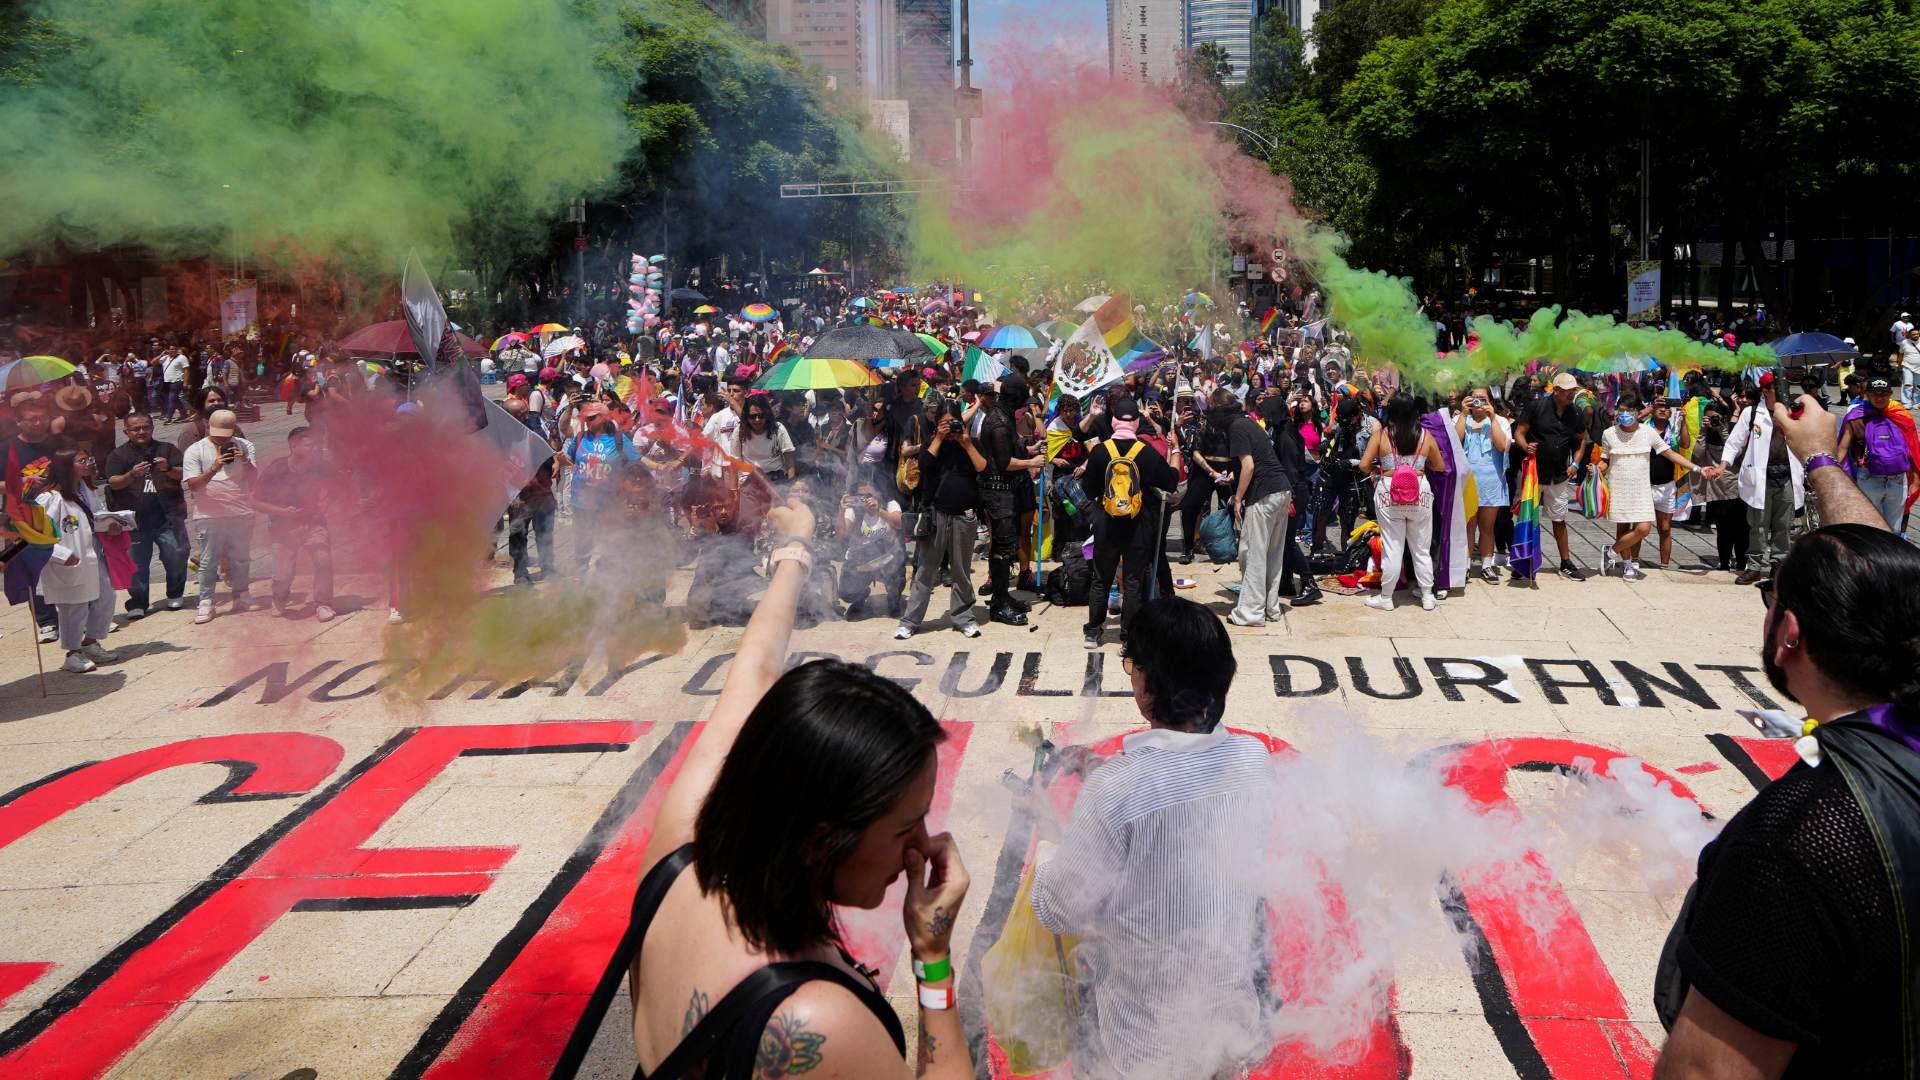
x=344, y=128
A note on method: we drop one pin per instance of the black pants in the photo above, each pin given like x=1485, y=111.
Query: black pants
x=1130, y=547
x=1338, y=484
x=1003, y=530
x=1194, y=505
x=1730, y=533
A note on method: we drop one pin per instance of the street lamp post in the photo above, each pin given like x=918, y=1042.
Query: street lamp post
x=1272, y=145
x=577, y=214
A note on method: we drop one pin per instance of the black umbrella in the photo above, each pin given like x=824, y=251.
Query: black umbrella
x=687, y=296
x=866, y=344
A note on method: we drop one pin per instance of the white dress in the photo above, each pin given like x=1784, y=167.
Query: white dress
x=1629, y=473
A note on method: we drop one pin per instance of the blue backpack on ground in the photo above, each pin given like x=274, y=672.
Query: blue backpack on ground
x=1219, y=537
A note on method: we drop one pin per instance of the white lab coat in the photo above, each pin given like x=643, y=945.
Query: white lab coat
x=1753, y=467
x=60, y=583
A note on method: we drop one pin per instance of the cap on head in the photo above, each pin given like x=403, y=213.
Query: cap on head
x=1565, y=381
x=1879, y=384
x=222, y=423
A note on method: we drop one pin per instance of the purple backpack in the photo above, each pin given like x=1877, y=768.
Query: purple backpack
x=1885, y=446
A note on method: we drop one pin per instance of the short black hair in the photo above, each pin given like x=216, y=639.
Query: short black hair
x=299, y=433
x=829, y=749
x=1856, y=591
x=1188, y=660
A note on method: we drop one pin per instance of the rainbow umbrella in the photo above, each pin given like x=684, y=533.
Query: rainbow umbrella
x=1012, y=336
x=548, y=328
x=759, y=313
x=1193, y=298
x=31, y=371
x=507, y=339
x=861, y=302
x=706, y=309
x=812, y=373
x=939, y=347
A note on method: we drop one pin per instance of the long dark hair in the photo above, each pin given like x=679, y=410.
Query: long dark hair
x=1403, y=424
x=63, y=474
x=1856, y=591
x=826, y=752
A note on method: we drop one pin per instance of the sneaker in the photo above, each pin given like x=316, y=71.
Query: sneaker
x=1012, y=616
x=1500, y=559
x=98, y=653
x=136, y=614
x=1608, y=560
x=1632, y=572
x=1490, y=575
x=1426, y=601
x=1570, y=571
x=902, y=633
x=1309, y=595
x=1752, y=577
x=203, y=613
x=77, y=663
x=1186, y=559
x=1439, y=594
x=971, y=630
x=323, y=613
x=193, y=565
x=393, y=615
x=175, y=603
x=1091, y=639
x=1234, y=618
x=1381, y=603
x=49, y=635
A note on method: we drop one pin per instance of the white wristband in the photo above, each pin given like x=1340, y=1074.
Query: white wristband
x=936, y=998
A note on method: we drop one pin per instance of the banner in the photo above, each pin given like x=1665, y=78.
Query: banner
x=1643, y=289
x=239, y=307
x=1084, y=362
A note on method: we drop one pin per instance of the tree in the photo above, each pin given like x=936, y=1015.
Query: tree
x=1346, y=30
x=1207, y=64
x=1277, y=60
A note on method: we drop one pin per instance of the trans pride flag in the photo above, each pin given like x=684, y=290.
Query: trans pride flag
x=1524, y=555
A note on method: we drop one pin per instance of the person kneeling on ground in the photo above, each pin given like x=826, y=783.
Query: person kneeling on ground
x=806, y=790
x=1150, y=869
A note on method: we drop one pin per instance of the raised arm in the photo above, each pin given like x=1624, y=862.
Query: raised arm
x=757, y=664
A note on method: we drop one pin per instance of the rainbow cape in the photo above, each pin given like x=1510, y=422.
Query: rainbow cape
x=1902, y=418
x=1524, y=554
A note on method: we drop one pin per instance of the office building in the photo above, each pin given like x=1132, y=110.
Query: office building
x=828, y=34
x=1229, y=23
x=1145, y=39
x=923, y=32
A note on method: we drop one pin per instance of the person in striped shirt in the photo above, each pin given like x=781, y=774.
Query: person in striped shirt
x=1158, y=870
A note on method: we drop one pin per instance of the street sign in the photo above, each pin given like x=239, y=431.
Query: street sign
x=579, y=243
x=1279, y=256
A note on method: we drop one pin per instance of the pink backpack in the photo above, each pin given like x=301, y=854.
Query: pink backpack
x=1403, y=487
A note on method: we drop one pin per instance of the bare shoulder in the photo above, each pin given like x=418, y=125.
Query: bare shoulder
x=824, y=1032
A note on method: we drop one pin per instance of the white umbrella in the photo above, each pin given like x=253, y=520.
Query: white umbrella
x=1092, y=303
x=562, y=345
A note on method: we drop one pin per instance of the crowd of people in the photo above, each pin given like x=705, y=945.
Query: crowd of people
x=1275, y=449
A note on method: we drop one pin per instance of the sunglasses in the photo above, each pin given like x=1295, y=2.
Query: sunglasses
x=1767, y=585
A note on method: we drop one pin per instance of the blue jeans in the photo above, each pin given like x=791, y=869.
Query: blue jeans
x=176, y=400
x=171, y=539
x=1888, y=494
x=229, y=540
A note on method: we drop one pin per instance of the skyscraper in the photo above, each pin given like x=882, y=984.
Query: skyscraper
x=826, y=33
x=1145, y=39
x=924, y=33
x=1230, y=23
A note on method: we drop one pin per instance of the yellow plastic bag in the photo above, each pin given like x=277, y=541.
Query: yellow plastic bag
x=1032, y=995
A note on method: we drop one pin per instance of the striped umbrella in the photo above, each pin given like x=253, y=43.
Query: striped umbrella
x=939, y=347
x=860, y=302
x=1012, y=336
x=759, y=313
x=812, y=373
x=548, y=328
x=31, y=371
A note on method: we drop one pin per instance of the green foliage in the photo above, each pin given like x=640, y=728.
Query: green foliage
x=1206, y=65
x=1277, y=60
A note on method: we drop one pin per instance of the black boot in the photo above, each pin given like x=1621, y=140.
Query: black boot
x=1309, y=594
x=1006, y=613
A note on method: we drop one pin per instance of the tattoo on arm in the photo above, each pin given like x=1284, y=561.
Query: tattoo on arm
x=787, y=1048
x=696, y=1012
x=940, y=923
x=929, y=1046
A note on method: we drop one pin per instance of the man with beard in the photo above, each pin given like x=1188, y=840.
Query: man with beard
x=1789, y=956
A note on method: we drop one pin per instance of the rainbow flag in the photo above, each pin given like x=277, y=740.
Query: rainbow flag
x=779, y=353
x=1130, y=348
x=1266, y=321
x=1524, y=555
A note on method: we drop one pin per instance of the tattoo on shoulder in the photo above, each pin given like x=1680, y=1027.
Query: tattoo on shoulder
x=696, y=1012
x=787, y=1048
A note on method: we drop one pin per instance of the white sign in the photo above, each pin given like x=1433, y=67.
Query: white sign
x=1643, y=289
x=1279, y=256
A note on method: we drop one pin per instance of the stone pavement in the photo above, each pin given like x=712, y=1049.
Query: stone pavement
x=231, y=854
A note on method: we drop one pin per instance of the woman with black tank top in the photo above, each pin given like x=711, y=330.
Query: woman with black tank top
x=805, y=791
